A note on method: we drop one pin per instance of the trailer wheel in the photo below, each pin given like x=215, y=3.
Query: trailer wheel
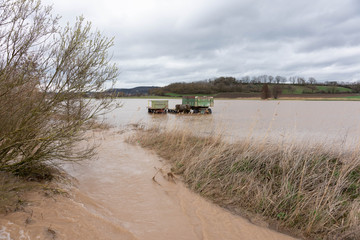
x=209, y=111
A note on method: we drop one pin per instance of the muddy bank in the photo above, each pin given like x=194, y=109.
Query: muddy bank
x=116, y=198
x=59, y=217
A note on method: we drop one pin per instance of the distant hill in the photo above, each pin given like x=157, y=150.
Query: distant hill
x=230, y=87
x=143, y=90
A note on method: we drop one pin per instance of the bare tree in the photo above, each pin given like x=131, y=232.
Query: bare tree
x=300, y=80
x=293, y=79
x=255, y=80
x=271, y=78
x=312, y=80
x=45, y=73
x=280, y=79
x=263, y=78
x=245, y=79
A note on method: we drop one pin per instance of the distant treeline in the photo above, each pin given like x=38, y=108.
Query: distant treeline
x=292, y=85
x=125, y=92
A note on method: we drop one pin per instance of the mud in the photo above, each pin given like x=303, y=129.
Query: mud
x=60, y=217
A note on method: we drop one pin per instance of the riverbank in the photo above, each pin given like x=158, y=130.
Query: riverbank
x=310, y=190
x=66, y=214
x=116, y=197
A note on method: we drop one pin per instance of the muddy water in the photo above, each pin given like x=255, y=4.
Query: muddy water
x=122, y=184
x=114, y=197
x=324, y=121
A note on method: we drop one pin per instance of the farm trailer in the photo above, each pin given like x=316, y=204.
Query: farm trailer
x=158, y=106
x=194, y=104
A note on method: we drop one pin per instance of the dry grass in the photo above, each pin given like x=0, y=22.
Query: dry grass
x=309, y=189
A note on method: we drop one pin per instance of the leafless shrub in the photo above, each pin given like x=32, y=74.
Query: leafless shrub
x=45, y=74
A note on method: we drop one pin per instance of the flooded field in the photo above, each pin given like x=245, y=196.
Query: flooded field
x=114, y=196
x=316, y=120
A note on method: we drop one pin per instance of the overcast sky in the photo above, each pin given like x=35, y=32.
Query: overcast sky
x=158, y=42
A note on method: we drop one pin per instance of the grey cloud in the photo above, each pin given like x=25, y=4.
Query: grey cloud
x=231, y=37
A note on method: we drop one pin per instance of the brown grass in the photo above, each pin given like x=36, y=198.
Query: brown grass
x=312, y=190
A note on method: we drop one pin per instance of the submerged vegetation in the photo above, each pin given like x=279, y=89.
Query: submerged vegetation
x=312, y=190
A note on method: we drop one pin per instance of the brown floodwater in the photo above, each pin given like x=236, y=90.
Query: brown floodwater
x=114, y=196
x=325, y=121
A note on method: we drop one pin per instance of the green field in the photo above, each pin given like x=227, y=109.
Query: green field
x=337, y=89
x=353, y=97
x=292, y=89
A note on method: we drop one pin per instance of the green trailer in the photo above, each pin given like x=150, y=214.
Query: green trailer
x=158, y=106
x=198, y=102
x=195, y=104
